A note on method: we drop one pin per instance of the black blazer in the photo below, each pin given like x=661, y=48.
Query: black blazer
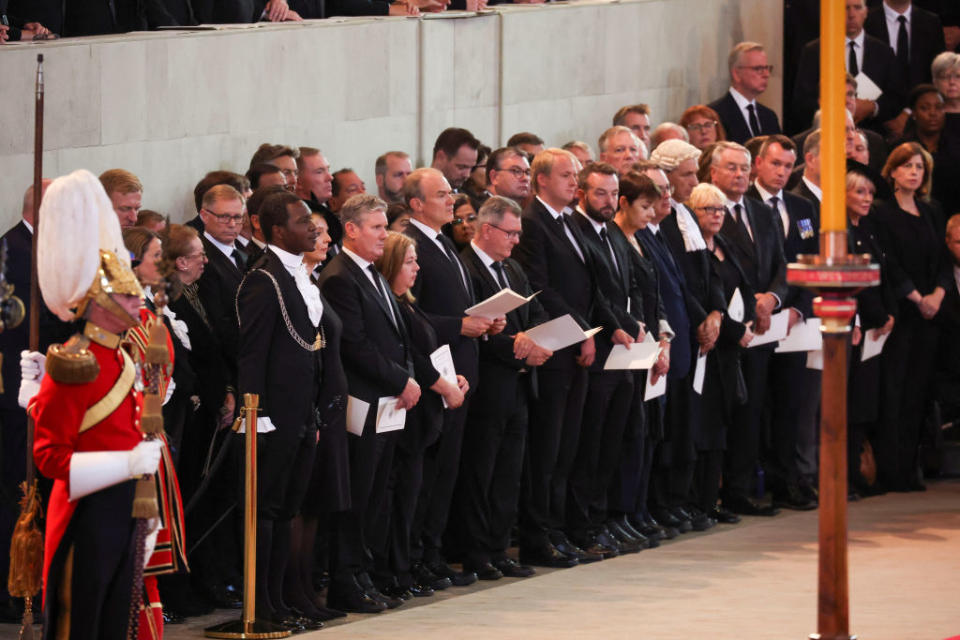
x=271, y=362
x=646, y=303
x=762, y=258
x=701, y=297
x=735, y=123
x=803, y=191
x=926, y=41
x=424, y=421
x=947, y=372
x=375, y=352
x=879, y=64
x=566, y=283
x=802, y=237
x=614, y=282
x=217, y=289
x=674, y=294
x=499, y=369
x=444, y=292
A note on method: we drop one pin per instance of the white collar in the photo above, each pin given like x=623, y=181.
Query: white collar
x=362, y=263
x=28, y=226
x=654, y=228
x=553, y=212
x=597, y=226
x=892, y=16
x=292, y=261
x=243, y=241
x=427, y=231
x=689, y=228
x=817, y=191
x=484, y=258
x=732, y=203
x=257, y=241
x=858, y=39
x=766, y=195
x=225, y=249
x=741, y=99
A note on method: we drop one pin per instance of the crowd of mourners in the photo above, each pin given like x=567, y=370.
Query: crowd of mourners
x=676, y=234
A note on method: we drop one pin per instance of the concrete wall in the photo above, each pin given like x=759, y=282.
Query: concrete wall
x=172, y=106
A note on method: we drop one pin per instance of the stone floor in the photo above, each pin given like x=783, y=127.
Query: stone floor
x=755, y=580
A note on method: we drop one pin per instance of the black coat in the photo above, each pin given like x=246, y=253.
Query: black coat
x=217, y=289
x=762, y=258
x=424, y=421
x=879, y=64
x=925, y=36
x=701, y=297
x=645, y=286
x=735, y=123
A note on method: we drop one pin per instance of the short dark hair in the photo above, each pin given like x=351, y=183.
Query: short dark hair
x=592, y=168
x=214, y=178
x=149, y=216
x=918, y=91
x=524, y=137
x=621, y=115
x=274, y=212
x=256, y=200
x=493, y=162
x=335, y=184
x=635, y=184
x=267, y=152
x=256, y=172
x=777, y=138
x=451, y=139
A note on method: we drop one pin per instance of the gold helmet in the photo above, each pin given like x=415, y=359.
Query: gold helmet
x=81, y=256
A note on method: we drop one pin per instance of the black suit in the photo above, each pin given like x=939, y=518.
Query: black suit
x=377, y=360
x=568, y=285
x=804, y=191
x=609, y=393
x=488, y=492
x=735, y=122
x=947, y=368
x=925, y=34
x=443, y=290
x=764, y=266
x=879, y=64
x=217, y=289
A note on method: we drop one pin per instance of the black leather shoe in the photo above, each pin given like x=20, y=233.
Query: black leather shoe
x=563, y=545
x=420, y=590
x=724, y=516
x=396, y=591
x=352, y=598
x=698, y=519
x=547, y=555
x=457, y=578
x=426, y=577
x=600, y=545
x=686, y=522
x=483, y=570
x=625, y=542
x=642, y=540
x=654, y=533
x=310, y=623
x=793, y=498
x=326, y=614
x=746, y=507
x=510, y=568
x=288, y=622
x=172, y=617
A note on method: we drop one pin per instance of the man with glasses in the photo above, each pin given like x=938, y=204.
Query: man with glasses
x=508, y=174
x=740, y=113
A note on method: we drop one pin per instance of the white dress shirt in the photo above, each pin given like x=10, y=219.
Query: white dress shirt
x=817, y=191
x=556, y=216
x=433, y=235
x=743, y=102
x=225, y=249
x=781, y=205
x=857, y=51
x=365, y=267
x=488, y=263
x=893, y=24
x=743, y=213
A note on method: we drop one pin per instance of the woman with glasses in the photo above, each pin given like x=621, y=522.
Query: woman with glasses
x=462, y=228
x=703, y=125
x=724, y=387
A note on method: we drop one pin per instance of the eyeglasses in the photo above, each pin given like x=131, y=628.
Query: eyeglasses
x=470, y=218
x=713, y=210
x=760, y=68
x=226, y=218
x=517, y=172
x=512, y=235
x=703, y=126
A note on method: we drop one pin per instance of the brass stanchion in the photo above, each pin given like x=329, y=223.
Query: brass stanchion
x=249, y=626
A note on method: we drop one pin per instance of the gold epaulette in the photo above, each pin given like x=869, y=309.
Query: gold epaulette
x=72, y=362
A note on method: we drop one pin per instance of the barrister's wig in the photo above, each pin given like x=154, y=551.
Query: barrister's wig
x=669, y=154
x=80, y=253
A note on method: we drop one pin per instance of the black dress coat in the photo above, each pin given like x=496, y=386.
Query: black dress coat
x=217, y=289
x=926, y=41
x=762, y=258
x=735, y=123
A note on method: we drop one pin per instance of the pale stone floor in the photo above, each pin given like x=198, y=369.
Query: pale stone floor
x=755, y=580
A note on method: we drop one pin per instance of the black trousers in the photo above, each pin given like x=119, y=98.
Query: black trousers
x=488, y=493
x=371, y=461
x=398, y=514
x=606, y=410
x=100, y=566
x=743, y=436
x=675, y=459
x=793, y=397
x=631, y=479
x=555, y=418
x=441, y=464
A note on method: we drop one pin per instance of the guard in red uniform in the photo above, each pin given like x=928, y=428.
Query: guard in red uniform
x=87, y=415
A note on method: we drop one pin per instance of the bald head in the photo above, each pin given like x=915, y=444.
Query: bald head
x=27, y=211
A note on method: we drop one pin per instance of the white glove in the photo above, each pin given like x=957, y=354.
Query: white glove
x=91, y=471
x=153, y=528
x=145, y=458
x=31, y=373
x=264, y=425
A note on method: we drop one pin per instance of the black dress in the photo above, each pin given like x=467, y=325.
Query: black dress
x=915, y=250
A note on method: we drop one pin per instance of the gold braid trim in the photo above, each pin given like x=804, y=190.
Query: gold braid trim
x=114, y=398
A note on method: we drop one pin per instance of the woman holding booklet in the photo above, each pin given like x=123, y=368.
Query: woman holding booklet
x=723, y=387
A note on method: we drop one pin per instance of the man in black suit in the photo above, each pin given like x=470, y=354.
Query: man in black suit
x=865, y=54
x=809, y=185
x=914, y=34
x=378, y=363
x=794, y=389
x=280, y=312
x=554, y=256
x=455, y=155
x=488, y=491
x=443, y=290
x=756, y=240
x=742, y=116
x=947, y=376
x=315, y=187
x=508, y=174
x=609, y=393
x=212, y=179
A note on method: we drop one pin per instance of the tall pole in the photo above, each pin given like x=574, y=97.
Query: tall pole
x=836, y=276
x=34, y=320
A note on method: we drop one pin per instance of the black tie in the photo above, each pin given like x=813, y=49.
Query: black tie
x=754, y=124
x=903, y=43
x=379, y=286
x=738, y=217
x=501, y=276
x=852, y=65
x=451, y=256
x=237, y=259
x=605, y=239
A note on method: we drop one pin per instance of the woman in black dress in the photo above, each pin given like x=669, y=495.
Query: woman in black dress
x=876, y=308
x=911, y=235
x=724, y=388
x=395, y=575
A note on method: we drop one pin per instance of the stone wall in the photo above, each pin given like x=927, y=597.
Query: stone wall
x=171, y=106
